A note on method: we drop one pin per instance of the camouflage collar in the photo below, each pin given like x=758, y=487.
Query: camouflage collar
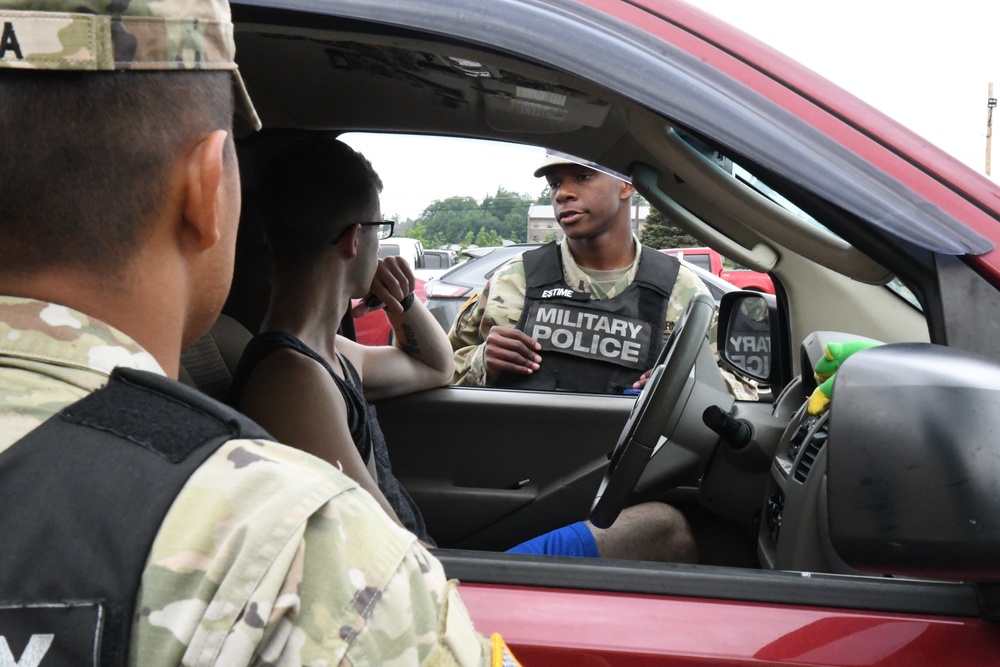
x=39, y=331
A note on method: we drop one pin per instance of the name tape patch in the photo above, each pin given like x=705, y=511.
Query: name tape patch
x=54, y=40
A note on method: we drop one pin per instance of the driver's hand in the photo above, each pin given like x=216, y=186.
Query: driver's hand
x=643, y=379
x=510, y=350
x=392, y=282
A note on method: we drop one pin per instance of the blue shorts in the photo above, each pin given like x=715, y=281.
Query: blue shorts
x=572, y=540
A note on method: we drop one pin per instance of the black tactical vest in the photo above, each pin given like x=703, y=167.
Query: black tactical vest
x=593, y=346
x=81, y=501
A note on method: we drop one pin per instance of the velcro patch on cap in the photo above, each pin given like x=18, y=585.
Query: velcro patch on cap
x=91, y=42
x=49, y=40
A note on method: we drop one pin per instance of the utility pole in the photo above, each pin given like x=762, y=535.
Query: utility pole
x=635, y=222
x=991, y=103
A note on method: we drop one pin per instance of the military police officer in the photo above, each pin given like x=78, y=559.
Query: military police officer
x=119, y=202
x=580, y=315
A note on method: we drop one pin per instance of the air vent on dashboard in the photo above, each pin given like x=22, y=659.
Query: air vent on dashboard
x=810, y=451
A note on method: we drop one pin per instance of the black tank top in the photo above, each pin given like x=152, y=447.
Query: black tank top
x=362, y=420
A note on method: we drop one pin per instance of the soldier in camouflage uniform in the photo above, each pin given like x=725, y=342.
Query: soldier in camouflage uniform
x=501, y=304
x=593, y=210
x=485, y=335
x=267, y=555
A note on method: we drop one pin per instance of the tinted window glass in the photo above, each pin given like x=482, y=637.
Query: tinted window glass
x=701, y=261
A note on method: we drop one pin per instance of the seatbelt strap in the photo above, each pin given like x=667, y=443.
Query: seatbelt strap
x=82, y=498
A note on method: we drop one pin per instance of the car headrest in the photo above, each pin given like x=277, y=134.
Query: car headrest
x=210, y=363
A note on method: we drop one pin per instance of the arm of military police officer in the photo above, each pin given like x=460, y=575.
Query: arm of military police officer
x=686, y=286
x=484, y=337
x=420, y=357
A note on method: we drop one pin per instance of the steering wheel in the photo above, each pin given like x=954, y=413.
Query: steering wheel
x=644, y=430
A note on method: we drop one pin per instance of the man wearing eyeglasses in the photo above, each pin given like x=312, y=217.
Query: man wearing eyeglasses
x=307, y=385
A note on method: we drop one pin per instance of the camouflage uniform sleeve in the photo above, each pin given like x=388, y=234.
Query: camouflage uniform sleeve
x=500, y=304
x=270, y=556
x=686, y=286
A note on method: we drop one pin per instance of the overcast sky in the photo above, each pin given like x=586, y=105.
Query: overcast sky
x=928, y=65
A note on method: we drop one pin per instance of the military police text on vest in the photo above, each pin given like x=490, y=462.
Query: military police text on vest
x=597, y=335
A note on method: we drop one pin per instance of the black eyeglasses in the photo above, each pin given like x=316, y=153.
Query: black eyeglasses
x=384, y=230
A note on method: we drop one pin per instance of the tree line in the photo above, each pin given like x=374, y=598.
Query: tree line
x=464, y=221
x=504, y=216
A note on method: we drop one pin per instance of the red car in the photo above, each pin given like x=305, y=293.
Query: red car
x=868, y=535
x=711, y=261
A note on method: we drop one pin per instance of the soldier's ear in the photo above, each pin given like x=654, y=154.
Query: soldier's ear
x=204, y=173
x=626, y=191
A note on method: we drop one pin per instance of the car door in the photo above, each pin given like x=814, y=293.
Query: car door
x=625, y=83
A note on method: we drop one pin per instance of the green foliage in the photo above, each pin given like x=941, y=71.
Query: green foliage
x=503, y=215
x=658, y=233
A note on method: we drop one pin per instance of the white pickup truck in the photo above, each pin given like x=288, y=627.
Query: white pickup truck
x=427, y=264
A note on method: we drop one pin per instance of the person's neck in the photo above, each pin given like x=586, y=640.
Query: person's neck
x=606, y=252
x=153, y=318
x=310, y=310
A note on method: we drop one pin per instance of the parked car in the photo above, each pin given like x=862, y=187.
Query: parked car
x=711, y=261
x=440, y=259
x=436, y=264
x=447, y=294
x=865, y=536
x=412, y=250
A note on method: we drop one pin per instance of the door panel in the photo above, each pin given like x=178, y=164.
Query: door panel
x=490, y=468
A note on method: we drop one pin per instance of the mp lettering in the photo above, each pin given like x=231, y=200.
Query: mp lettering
x=8, y=42
x=33, y=653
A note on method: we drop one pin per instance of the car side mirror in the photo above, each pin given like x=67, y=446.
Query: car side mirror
x=747, y=336
x=913, y=475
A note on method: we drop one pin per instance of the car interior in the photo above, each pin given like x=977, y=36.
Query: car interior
x=490, y=468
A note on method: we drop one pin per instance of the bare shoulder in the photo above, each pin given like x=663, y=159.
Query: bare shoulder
x=285, y=381
x=286, y=368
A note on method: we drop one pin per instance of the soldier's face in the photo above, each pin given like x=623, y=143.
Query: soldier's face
x=587, y=202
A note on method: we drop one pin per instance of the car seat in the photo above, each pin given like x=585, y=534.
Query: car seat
x=210, y=363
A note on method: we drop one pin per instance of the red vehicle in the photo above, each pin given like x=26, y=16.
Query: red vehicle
x=867, y=536
x=711, y=261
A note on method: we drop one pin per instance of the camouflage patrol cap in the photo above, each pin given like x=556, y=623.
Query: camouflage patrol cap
x=120, y=35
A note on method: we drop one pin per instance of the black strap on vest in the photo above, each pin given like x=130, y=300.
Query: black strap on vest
x=82, y=498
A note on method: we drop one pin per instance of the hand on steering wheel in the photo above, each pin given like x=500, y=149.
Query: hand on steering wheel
x=652, y=411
